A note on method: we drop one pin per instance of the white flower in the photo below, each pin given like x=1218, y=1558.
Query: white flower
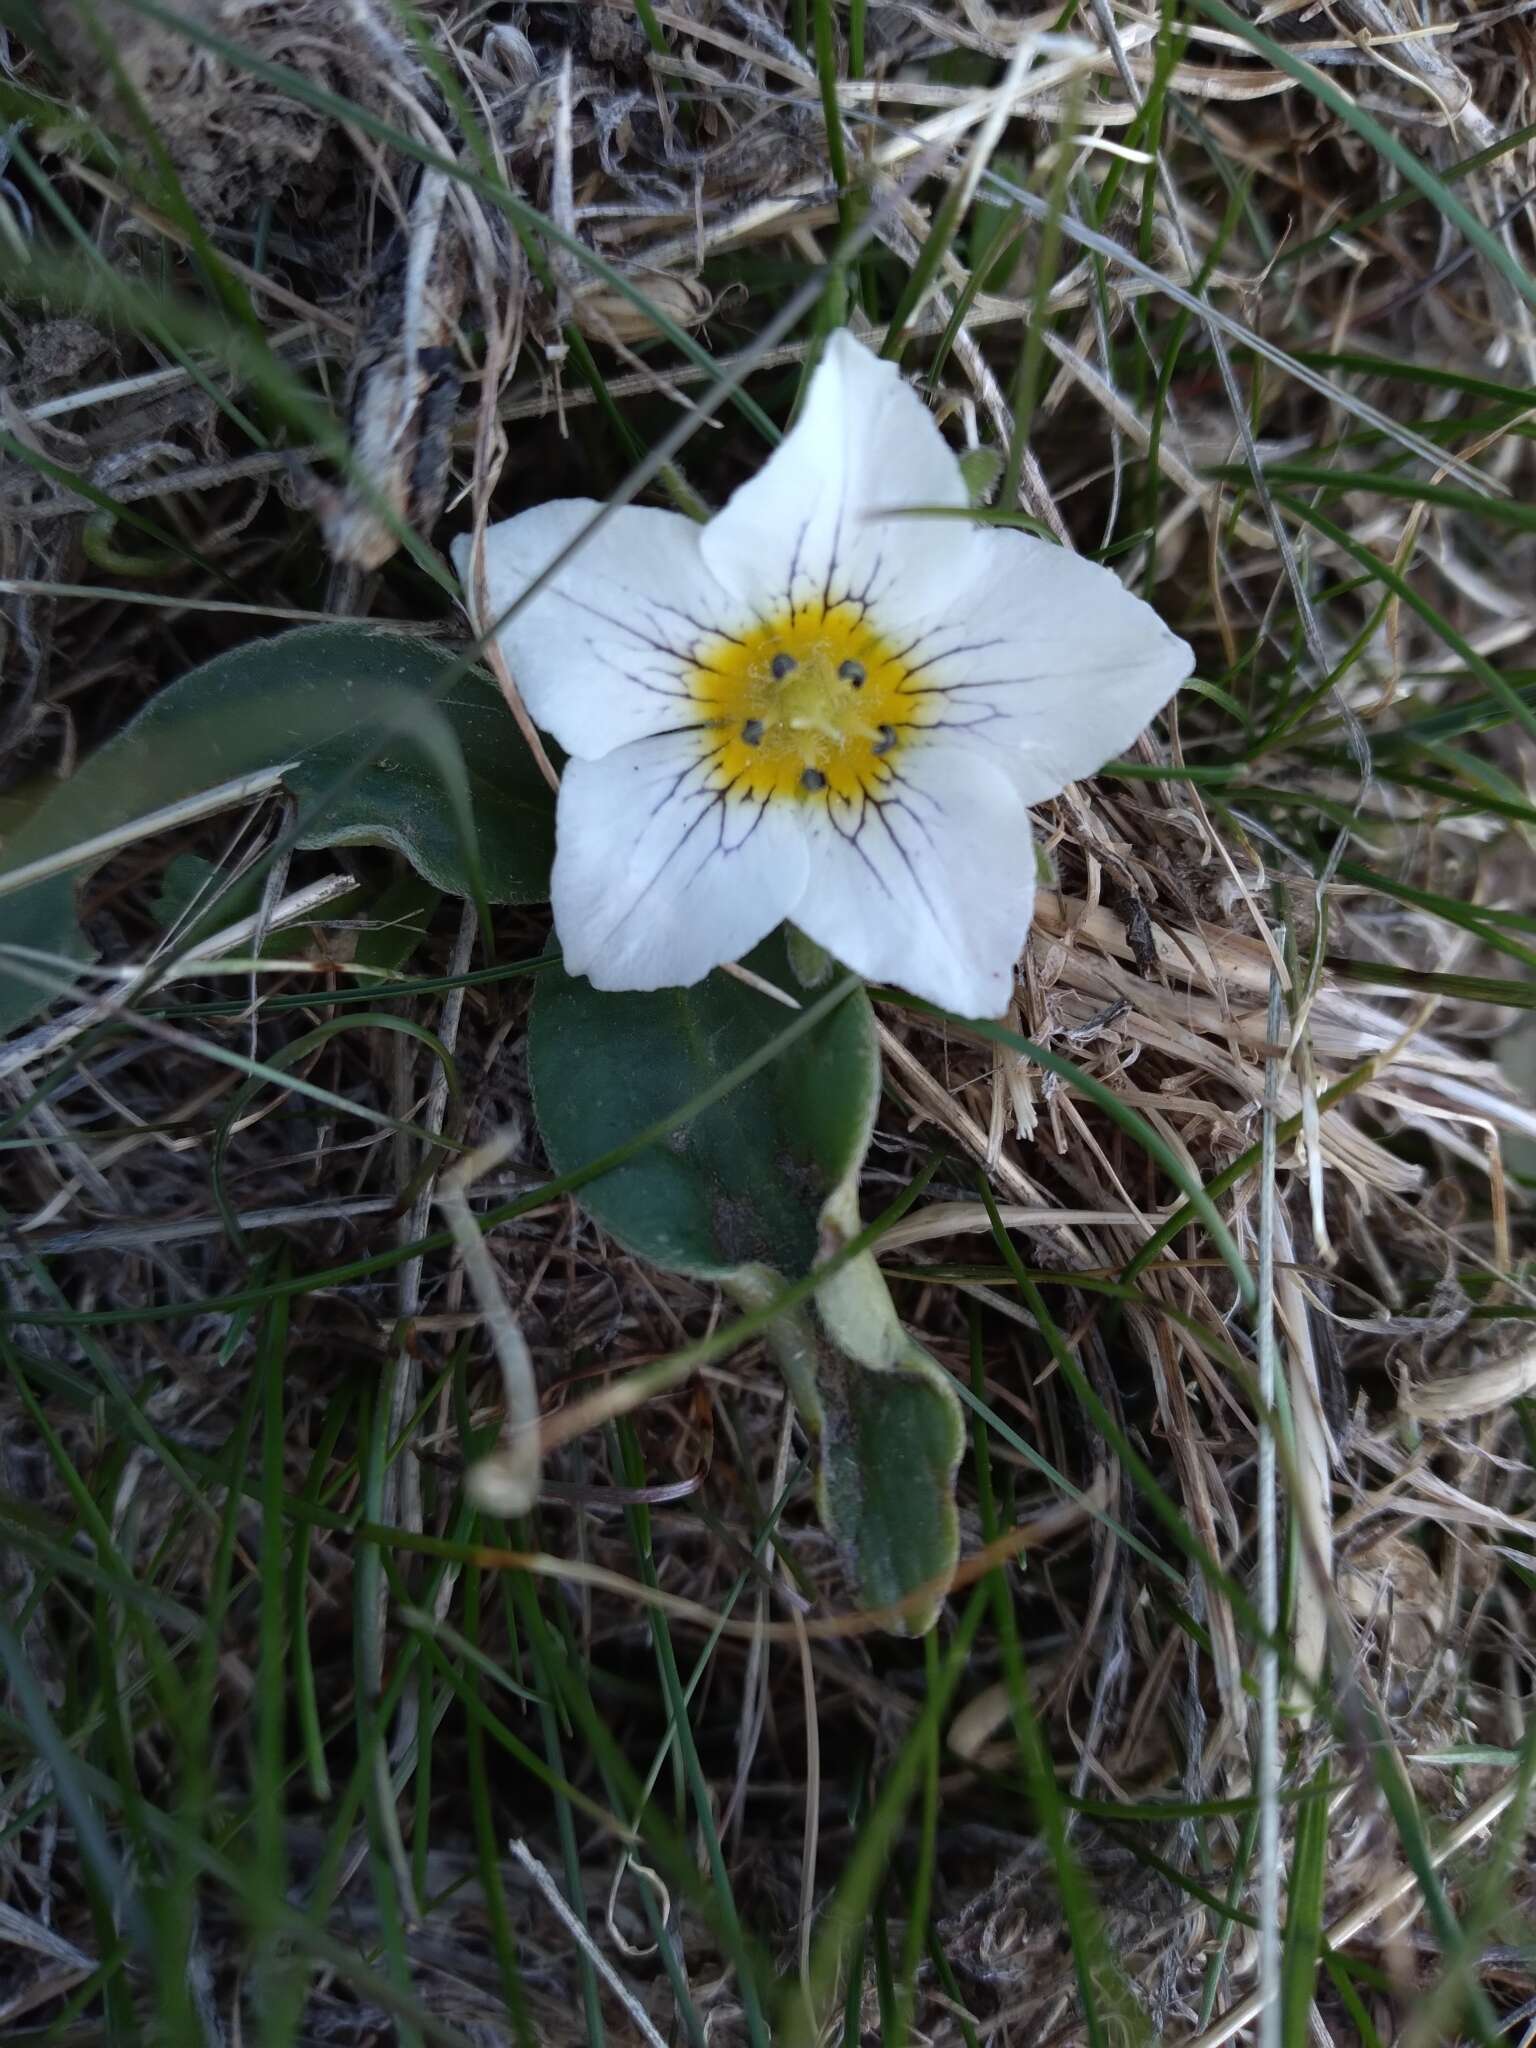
x=817, y=707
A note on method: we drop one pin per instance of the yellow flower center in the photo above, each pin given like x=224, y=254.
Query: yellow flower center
x=812, y=704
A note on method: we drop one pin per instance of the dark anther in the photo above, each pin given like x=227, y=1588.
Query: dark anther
x=783, y=665
x=885, y=739
x=853, y=672
x=752, y=731
x=812, y=778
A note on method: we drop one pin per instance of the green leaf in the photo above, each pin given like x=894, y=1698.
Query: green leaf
x=1516, y=1053
x=981, y=468
x=888, y=1427
x=395, y=923
x=753, y=1193
x=370, y=748
x=993, y=236
x=745, y=1183
x=1304, y=1922
x=199, y=896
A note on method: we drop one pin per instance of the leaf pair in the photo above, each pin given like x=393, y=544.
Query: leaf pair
x=383, y=740
x=754, y=1193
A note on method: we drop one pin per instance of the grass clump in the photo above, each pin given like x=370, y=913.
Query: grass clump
x=1226, y=1723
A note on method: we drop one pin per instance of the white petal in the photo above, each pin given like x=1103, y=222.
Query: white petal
x=812, y=526
x=601, y=652
x=658, y=877
x=930, y=887
x=1052, y=659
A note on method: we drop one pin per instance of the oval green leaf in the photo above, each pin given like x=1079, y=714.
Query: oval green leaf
x=889, y=1436
x=743, y=1184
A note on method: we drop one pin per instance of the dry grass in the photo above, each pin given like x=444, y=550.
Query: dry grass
x=1288, y=853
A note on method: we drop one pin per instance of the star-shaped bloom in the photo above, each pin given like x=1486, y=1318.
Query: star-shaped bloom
x=823, y=705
